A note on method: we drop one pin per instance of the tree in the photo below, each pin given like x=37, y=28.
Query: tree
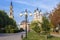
x=35, y=26
x=9, y=29
x=6, y=22
x=55, y=17
x=45, y=25
x=3, y=18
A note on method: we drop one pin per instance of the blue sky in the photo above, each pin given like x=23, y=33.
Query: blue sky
x=31, y=5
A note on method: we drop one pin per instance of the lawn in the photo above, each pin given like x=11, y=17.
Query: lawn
x=34, y=36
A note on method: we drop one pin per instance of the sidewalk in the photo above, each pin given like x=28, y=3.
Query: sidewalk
x=55, y=34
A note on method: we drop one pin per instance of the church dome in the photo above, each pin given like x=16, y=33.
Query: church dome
x=24, y=22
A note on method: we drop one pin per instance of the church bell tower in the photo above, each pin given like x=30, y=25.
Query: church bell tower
x=11, y=11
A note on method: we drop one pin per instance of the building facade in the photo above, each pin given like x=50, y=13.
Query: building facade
x=23, y=25
x=37, y=15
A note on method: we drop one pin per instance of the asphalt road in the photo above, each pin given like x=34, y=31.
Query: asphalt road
x=12, y=36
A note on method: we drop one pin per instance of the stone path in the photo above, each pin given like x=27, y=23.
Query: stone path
x=13, y=36
x=56, y=35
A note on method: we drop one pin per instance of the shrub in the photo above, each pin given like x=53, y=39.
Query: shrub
x=21, y=29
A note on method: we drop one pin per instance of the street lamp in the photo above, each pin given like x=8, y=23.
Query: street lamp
x=26, y=16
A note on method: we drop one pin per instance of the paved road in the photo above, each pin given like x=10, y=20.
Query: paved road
x=12, y=36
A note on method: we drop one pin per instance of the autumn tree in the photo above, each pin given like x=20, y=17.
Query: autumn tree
x=55, y=16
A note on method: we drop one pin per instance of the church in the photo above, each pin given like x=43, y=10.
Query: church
x=37, y=16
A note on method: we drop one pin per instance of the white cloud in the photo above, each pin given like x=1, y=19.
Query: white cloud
x=45, y=4
x=34, y=4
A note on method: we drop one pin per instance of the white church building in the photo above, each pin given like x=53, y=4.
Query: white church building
x=37, y=15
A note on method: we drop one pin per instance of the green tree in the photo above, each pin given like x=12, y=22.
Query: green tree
x=35, y=26
x=3, y=18
x=5, y=21
x=45, y=25
x=10, y=29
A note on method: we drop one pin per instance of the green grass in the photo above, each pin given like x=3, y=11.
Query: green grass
x=34, y=36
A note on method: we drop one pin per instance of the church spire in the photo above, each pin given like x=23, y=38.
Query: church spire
x=11, y=3
x=11, y=10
